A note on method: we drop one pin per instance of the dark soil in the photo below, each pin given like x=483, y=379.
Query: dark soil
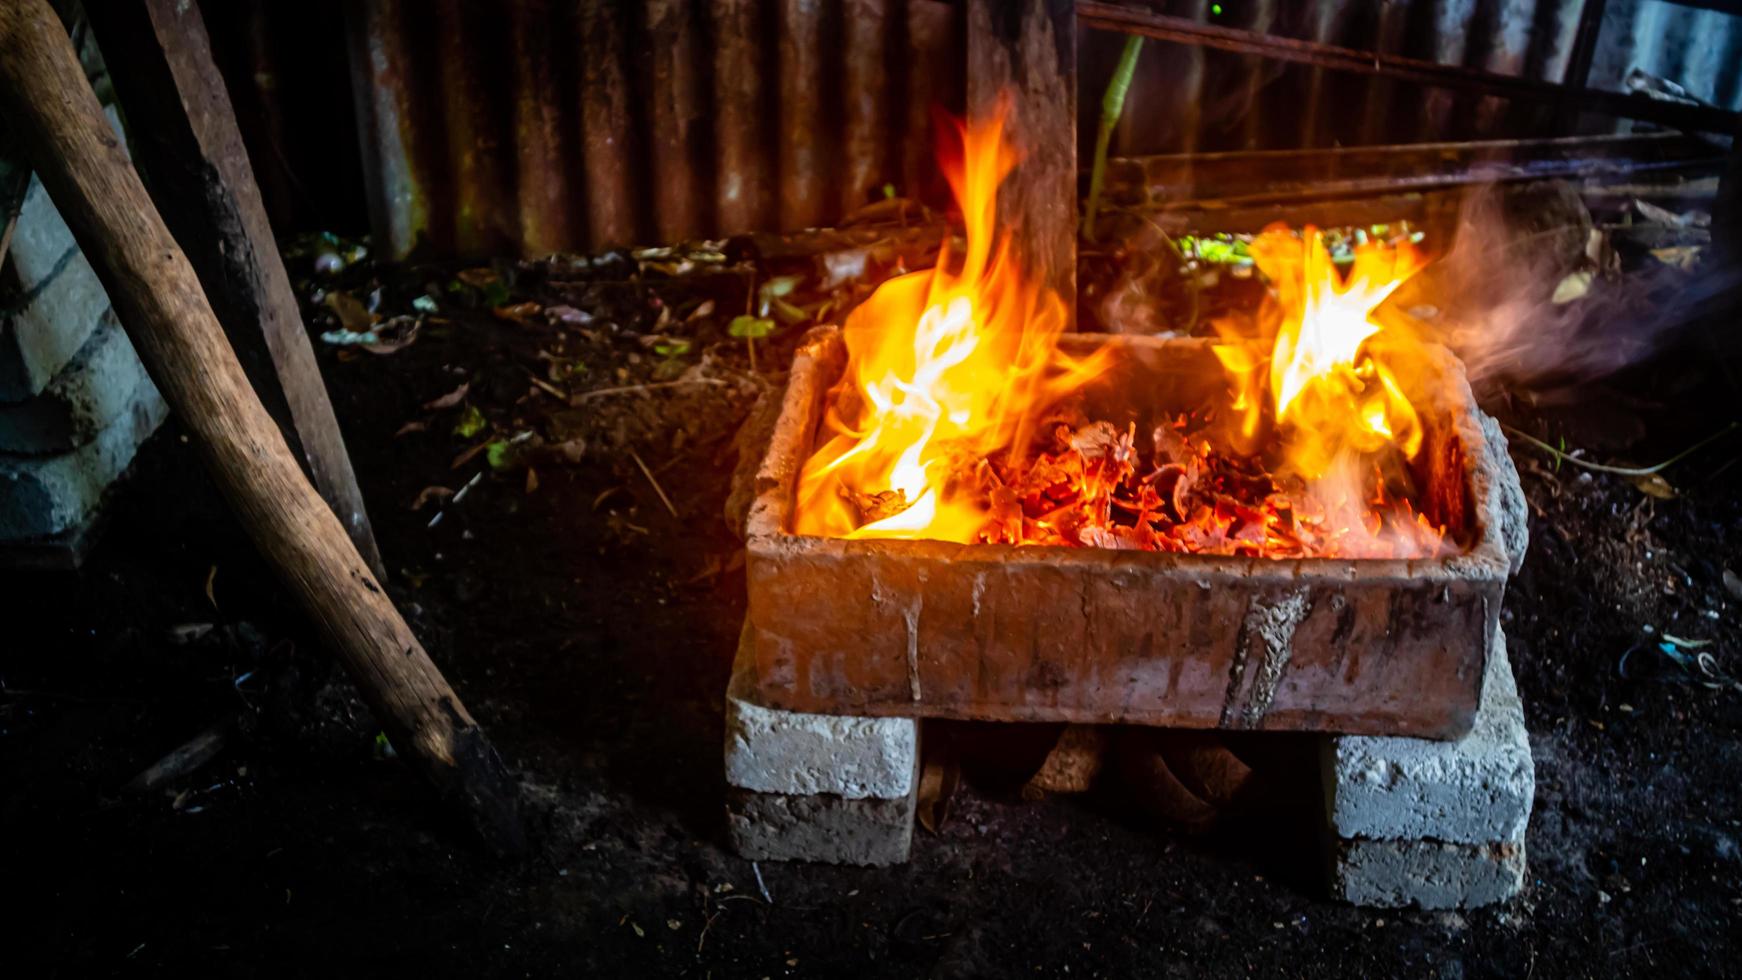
x=591, y=632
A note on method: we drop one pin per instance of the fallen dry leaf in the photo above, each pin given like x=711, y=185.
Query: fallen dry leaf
x=1654, y=485
x=450, y=399
x=517, y=312
x=938, y=781
x=1573, y=287
x=477, y=278
x=428, y=494
x=352, y=314
x=415, y=425
x=531, y=480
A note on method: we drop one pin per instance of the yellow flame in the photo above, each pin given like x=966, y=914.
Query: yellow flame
x=942, y=366
x=1333, y=388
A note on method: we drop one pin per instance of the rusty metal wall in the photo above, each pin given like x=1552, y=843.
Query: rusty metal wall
x=1193, y=100
x=562, y=124
x=495, y=126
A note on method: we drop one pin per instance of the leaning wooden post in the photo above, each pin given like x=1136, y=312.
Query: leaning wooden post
x=54, y=115
x=185, y=139
x=1029, y=48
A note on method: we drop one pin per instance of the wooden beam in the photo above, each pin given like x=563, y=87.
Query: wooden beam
x=1028, y=48
x=190, y=152
x=58, y=124
x=1133, y=20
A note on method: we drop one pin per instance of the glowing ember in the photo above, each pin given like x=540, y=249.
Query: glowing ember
x=955, y=418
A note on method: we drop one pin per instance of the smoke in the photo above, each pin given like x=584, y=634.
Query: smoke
x=1531, y=294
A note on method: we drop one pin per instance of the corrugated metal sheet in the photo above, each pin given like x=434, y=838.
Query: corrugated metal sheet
x=535, y=125
x=544, y=125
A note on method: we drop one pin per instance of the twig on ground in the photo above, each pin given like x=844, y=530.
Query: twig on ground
x=650, y=479
x=1621, y=470
x=625, y=389
x=754, y=866
x=187, y=758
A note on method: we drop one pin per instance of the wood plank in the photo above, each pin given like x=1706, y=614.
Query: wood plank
x=191, y=154
x=1028, y=49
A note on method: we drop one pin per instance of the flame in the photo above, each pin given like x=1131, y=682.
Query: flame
x=951, y=370
x=1334, y=393
x=1333, y=378
x=941, y=366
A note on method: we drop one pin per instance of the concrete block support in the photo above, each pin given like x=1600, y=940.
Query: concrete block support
x=1425, y=873
x=807, y=787
x=1471, y=790
x=48, y=495
x=820, y=827
x=795, y=752
x=92, y=391
x=50, y=299
x=1435, y=824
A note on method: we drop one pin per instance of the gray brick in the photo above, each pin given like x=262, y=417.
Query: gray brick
x=45, y=495
x=822, y=827
x=1428, y=874
x=50, y=299
x=89, y=393
x=793, y=752
x=1473, y=790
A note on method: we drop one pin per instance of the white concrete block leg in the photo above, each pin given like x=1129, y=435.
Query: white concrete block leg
x=1435, y=824
x=807, y=787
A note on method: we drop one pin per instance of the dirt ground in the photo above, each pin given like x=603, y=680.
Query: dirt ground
x=590, y=630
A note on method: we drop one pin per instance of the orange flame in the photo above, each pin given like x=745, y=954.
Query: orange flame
x=1333, y=374
x=940, y=365
x=949, y=372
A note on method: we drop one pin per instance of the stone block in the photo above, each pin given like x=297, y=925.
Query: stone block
x=89, y=393
x=41, y=496
x=795, y=753
x=1474, y=790
x=822, y=827
x=1425, y=873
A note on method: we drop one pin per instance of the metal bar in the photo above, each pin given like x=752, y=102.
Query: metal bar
x=1116, y=17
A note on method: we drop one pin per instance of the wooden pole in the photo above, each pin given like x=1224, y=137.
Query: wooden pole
x=184, y=136
x=55, y=117
x=1028, y=49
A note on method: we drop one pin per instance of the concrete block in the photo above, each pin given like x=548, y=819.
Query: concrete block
x=41, y=496
x=822, y=827
x=52, y=301
x=801, y=754
x=89, y=393
x=1425, y=873
x=1473, y=790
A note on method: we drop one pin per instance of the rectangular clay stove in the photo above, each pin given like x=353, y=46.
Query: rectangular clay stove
x=1003, y=633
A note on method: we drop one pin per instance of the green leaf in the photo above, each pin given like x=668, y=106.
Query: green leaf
x=497, y=454
x=888, y=191
x=754, y=327
x=471, y=422
x=673, y=348
x=787, y=313
x=424, y=304
x=771, y=291
x=496, y=294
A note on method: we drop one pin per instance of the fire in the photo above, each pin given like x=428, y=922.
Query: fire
x=953, y=420
x=942, y=366
x=1328, y=374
